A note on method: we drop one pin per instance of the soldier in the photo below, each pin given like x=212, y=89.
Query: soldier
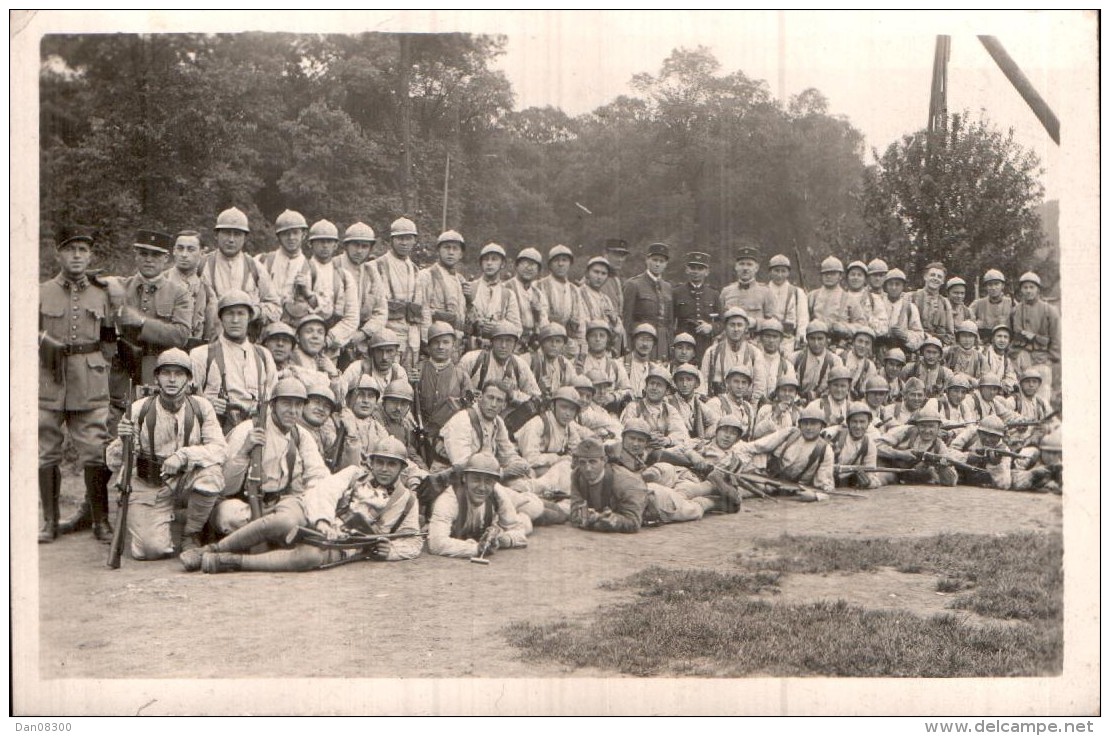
x=775, y=363
x=836, y=401
x=859, y=359
x=791, y=307
x=996, y=358
x=395, y=417
x=829, y=304
x=876, y=393
x=699, y=416
x=639, y=362
x=995, y=308
x=799, y=454
x=478, y=516
x=917, y=446
x=863, y=303
x=358, y=241
x=381, y=362
x=894, y=362
x=965, y=356
x=813, y=363
x=532, y=307
x=360, y=419
x=397, y=278
x=876, y=274
x=490, y=300
x=1028, y=406
x=597, y=422
x=319, y=420
x=694, y=304
x=442, y=387
x=178, y=453
x=735, y=400
x=498, y=362
x=187, y=257
x=312, y=340
x=480, y=428
x=747, y=293
x=374, y=502
x=781, y=411
x=231, y=372
x=561, y=300
x=229, y=269
x=328, y=290
x=440, y=287
x=954, y=408
x=596, y=304
x=928, y=368
x=913, y=399
x=683, y=350
x=596, y=358
x=155, y=314
x=956, y=291
x=854, y=444
x=981, y=446
x=604, y=497
x=280, y=339
x=935, y=310
x=899, y=322
x=73, y=386
x=291, y=464
x=718, y=465
x=549, y=364
x=548, y=439
x=649, y=299
x=1036, y=329
x=734, y=349
x=982, y=399
x=1043, y=466
x=616, y=251
x=668, y=428
x=287, y=265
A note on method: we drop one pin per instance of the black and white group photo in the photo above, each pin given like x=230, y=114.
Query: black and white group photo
x=705, y=347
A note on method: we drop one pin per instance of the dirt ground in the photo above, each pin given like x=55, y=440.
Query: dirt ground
x=437, y=617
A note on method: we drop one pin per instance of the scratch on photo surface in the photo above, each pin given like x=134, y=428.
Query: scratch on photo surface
x=140, y=710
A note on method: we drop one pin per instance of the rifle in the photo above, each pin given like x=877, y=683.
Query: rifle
x=936, y=459
x=845, y=469
x=798, y=256
x=985, y=451
x=350, y=541
x=253, y=484
x=960, y=425
x=486, y=543
x=1022, y=423
x=115, y=552
x=337, y=452
x=420, y=435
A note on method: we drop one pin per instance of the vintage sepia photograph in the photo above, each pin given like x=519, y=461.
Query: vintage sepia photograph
x=555, y=363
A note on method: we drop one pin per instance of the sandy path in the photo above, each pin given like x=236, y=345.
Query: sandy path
x=434, y=617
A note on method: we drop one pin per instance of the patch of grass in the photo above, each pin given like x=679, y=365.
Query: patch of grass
x=705, y=623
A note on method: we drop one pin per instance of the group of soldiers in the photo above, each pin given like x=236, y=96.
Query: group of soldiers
x=299, y=410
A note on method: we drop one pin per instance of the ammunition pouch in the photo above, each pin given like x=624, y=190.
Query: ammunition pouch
x=148, y=468
x=410, y=312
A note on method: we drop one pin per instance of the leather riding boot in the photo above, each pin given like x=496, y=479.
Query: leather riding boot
x=96, y=490
x=214, y=562
x=50, y=482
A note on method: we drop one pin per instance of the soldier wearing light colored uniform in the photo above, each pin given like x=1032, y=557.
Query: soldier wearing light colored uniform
x=490, y=300
x=1026, y=405
x=639, y=361
x=550, y=366
x=975, y=445
x=548, y=439
x=901, y=412
x=928, y=367
x=381, y=363
x=331, y=291
x=360, y=418
x=312, y=340
x=667, y=424
x=898, y=445
x=829, y=304
x=498, y=362
x=866, y=304
x=562, y=302
x=442, y=387
x=1036, y=330
x=73, y=384
x=375, y=502
x=982, y=398
x=876, y=273
x=1043, y=466
x=894, y=362
x=288, y=262
x=776, y=364
x=280, y=340
x=898, y=323
x=997, y=360
x=397, y=280
x=876, y=394
x=597, y=359
x=953, y=406
x=320, y=415
x=859, y=359
x=594, y=418
x=964, y=356
x=440, y=286
x=813, y=363
x=358, y=241
x=855, y=444
x=700, y=417
x=837, y=400
x=734, y=401
x=956, y=292
x=597, y=305
x=735, y=349
x=480, y=428
x=781, y=411
x=935, y=310
x=229, y=269
x=799, y=454
x=461, y=515
x=995, y=307
x=291, y=463
x=533, y=308
x=179, y=451
x=789, y=303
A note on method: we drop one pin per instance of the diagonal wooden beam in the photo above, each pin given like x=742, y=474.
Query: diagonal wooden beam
x=1024, y=87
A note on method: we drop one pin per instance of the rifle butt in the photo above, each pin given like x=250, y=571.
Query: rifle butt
x=119, y=534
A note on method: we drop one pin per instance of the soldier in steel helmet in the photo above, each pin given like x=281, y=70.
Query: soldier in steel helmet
x=917, y=446
x=995, y=307
x=476, y=509
x=532, y=306
x=440, y=287
x=179, y=451
x=489, y=300
x=935, y=310
x=229, y=268
x=287, y=265
x=983, y=446
x=550, y=366
x=561, y=301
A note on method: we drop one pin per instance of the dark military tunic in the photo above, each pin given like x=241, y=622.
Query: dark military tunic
x=168, y=305
x=693, y=304
x=650, y=301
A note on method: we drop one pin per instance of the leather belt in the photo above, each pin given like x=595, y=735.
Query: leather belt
x=91, y=347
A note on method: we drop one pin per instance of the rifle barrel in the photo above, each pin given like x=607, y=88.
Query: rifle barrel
x=115, y=552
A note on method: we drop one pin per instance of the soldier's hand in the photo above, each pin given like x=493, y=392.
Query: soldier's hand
x=468, y=289
x=898, y=332
x=125, y=428
x=172, y=465
x=1028, y=336
x=704, y=328
x=301, y=281
x=381, y=549
x=130, y=317
x=256, y=438
x=219, y=404
x=414, y=375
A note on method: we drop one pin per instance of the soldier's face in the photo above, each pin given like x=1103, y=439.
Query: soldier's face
x=503, y=346
x=934, y=279
x=1029, y=386
x=656, y=265
x=280, y=347
x=286, y=411
x=1029, y=291
x=810, y=429
x=230, y=242
x=591, y=468
x=527, y=269
x=479, y=487
x=696, y=272
x=994, y=288
x=386, y=470
x=966, y=340
x=358, y=251
x=402, y=244
x=930, y=354
x=441, y=347
x=655, y=389
x=892, y=367
x=363, y=402
x=74, y=258
x=894, y=288
x=616, y=257
x=746, y=269
x=861, y=344
x=596, y=276
x=491, y=264
x=186, y=257
x=956, y=395
x=830, y=278
x=291, y=240
x=597, y=340
x=857, y=279
x=736, y=329
x=779, y=274
x=450, y=254
x=957, y=294
x=559, y=266
x=771, y=341
x=727, y=437
x=876, y=399
x=989, y=392
x=493, y=402
x=586, y=395
x=686, y=384
x=234, y=321
x=172, y=380
x=324, y=248
x=316, y=410
x=857, y=425
x=635, y=443
x=875, y=280
x=150, y=262
x=565, y=411
x=915, y=398
x=553, y=346
x=684, y=352
x=643, y=344
x=384, y=357
x=1001, y=340
x=312, y=338
x=395, y=409
x=838, y=389
x=786, y=394
x=928, y=431
x=739, y=385
x=817, y=342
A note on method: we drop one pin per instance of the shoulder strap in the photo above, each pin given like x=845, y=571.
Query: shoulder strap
x=814, y=457
x=147, y=420
x=476, y=425
x=190, y=418
x=437, y=277
x=824, y=367
x=216, y=355
x=378, y=263
x=251, y=270
x=482, y=369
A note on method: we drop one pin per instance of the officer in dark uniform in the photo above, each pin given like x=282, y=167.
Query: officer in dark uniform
x=694, y=303
x=73, y=382
x=649, y=299
x=616, y=250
